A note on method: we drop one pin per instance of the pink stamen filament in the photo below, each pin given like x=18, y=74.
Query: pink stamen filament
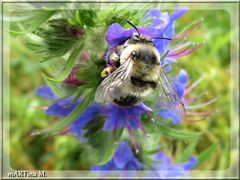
x=178, y=46
x=185, y=52
x=192, y=86
x=180, y=49
x=193, y=121
x=133, y=139
x=187, y=31
x=40, y=107
x=200, y=113
x=190, y=100
x=115, y=132
x=201, y=105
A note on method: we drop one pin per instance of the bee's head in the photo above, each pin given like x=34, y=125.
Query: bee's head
x=137, y=38
x=140, y=38
x=141, y=48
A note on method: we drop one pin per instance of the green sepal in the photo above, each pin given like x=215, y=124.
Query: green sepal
x=68, y=65
x=37, y=18
x=187, y=152
x=177, y=134
x=206, y=153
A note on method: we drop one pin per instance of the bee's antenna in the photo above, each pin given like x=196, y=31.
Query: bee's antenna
x=163, y=38
x=134, y=27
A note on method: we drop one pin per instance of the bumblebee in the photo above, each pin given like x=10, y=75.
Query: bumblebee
x=138, y=75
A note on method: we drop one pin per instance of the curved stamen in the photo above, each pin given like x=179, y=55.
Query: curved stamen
x=188, y=30
x=115, y=133
x=181, y=49
x=202, y=105
x=40, y=107
x=178, y=46
x=200, y=113
x=144, y=131
x=133, y=139
x=192, y=86
x=186, y=52
x=198, y=120
x=190, y=100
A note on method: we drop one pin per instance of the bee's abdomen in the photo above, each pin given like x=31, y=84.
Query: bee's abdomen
x=127, y=101
x=141, y=83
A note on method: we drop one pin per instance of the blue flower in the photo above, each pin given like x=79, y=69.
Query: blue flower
x=124, y=117
x=180, y=85
x=63, y=108
x=164, y=25
x=116, y=116
x=166, y=169
x=123, y=159
x=161, y=25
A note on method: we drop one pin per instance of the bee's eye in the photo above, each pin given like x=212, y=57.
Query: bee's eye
x=134, y=53
x=136, y=37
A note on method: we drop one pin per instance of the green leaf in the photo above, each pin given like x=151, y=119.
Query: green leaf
x=38, y=17
x=77, y=17
x=103, y=145
x=68, y=66
x=206, y=153
x=178, y=134
x=74, y=114
x=187, y=152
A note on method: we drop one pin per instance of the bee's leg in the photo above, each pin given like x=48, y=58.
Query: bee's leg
x=106, y=71
x=114, y=59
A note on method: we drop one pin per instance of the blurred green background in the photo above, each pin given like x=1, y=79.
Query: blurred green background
x=64, y=152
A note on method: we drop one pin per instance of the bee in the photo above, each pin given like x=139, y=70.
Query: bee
x=138, y=75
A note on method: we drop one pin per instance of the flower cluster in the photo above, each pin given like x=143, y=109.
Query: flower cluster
x=124, y=159
x=117, y=117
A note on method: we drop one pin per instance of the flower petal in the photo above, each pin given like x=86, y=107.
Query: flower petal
x=123, y=155
x=169, y=115
x=108, y=166
x=46, y=92
x=180, y=11
x=61, y=108
x=83, y=119
x=116, y=34
x=190, y=164
x=180, y=82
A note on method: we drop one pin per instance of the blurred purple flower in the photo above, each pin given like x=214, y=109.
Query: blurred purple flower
x=124, y=159
x=164, y=168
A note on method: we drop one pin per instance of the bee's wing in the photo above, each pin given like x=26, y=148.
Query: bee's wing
x=113, y=86
x=169, y=97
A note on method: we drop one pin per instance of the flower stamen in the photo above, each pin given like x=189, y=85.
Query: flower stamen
x=133, y=139
x=202, y=105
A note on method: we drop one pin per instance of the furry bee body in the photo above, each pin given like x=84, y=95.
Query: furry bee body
x=144, y=72
x=139, y=73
